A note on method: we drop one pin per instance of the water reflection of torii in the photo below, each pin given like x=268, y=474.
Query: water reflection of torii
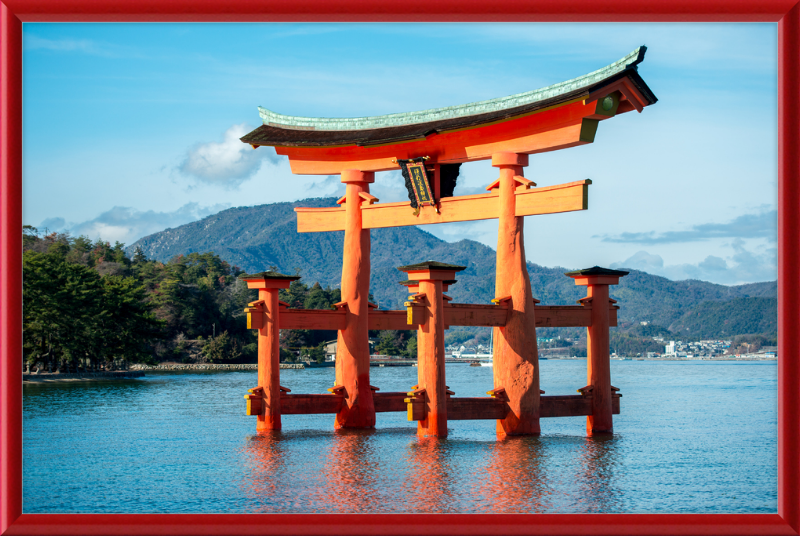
x=437, y=141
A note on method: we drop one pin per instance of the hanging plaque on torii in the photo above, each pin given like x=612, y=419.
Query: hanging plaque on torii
x=419, y=189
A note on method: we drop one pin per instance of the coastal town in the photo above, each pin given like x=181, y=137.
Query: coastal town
x=673, y=350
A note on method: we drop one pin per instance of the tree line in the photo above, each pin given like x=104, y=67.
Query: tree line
x=88, y=307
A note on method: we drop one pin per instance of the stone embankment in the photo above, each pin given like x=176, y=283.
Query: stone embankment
x=208, y=366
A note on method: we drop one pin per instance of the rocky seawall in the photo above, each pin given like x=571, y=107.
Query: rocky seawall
x=208, y=366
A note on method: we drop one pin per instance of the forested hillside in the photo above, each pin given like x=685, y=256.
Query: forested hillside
x=87, y=306
x=266, y=235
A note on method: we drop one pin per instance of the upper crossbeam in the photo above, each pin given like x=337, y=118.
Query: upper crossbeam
x=567, y=197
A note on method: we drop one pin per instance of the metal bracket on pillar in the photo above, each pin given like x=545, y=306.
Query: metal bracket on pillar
x=417, y=406
x=419, y=297
x=340, y=306
x=415, y=309
x=507, y=302
x=255, y=312
x=499, y=393
x=338, y=390
x=255, y=401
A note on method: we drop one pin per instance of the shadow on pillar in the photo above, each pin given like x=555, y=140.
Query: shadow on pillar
x=352, y=350
x=516, y=360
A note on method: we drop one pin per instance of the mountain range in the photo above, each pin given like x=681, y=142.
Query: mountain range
x=259, y=237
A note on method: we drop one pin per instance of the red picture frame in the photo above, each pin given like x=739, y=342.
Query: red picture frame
x=785, y=12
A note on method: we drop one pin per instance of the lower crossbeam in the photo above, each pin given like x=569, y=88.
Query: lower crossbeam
x=462, y=408
x=458, y=408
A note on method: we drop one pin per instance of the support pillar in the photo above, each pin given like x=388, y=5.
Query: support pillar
x=515, y=356
x=430, y=342
x=598, y=360
x=352, y=349
x=263, y=315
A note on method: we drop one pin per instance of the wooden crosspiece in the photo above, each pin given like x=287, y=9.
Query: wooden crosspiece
x=417, y=406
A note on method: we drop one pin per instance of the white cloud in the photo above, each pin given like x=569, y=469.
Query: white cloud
x=82, y=46
x=126, y=225
x=34, y=42
x=644, y=261
x=743, y=266
x=228, y=163
x=760, y=225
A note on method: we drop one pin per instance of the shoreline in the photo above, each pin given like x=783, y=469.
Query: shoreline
x=52, y=377
x=138, y=371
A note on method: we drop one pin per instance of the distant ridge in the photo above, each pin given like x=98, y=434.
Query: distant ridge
x=255, y=238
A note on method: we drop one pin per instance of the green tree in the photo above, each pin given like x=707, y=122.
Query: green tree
x=222, y=349
x=411, y=347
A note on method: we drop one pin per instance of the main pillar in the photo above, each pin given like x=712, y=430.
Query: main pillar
x=352, y=349
x=431, y=276
x=598, y=360
x=515, y=357
x=264, y=316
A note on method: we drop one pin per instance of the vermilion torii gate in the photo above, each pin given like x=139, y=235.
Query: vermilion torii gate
x=506, y=131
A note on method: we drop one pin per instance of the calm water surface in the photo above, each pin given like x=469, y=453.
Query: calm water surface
x=692, y=437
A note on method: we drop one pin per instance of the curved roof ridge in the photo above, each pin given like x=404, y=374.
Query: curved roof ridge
x=449, y=112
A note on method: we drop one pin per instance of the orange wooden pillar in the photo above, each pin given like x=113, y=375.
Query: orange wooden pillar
x=598, y=360
x=263, y=315
x=516, y=359
x=352, y=350
x=430, y=342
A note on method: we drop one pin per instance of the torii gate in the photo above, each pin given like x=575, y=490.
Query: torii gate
x=505, y=130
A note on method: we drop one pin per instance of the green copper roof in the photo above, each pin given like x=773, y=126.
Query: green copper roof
x=269, y=275
x=409, y=282
x=436, y=114
x=596, y=270
x=431, y=265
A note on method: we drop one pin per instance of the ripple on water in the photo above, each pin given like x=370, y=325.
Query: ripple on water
x=692, y=437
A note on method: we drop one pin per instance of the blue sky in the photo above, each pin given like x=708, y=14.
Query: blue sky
x=133, y=128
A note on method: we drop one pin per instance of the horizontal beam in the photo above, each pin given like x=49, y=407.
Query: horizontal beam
x=461, y=408
x=464, y=408
x=546, y=200
x=455, y=314
x=465, y=314
x=308, y=404
x=389, y=401
x=311, y=319
x=568, y=316
x=389, y=320
x=571, y=406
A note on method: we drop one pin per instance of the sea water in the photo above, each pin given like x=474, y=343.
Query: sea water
x=692, y=437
